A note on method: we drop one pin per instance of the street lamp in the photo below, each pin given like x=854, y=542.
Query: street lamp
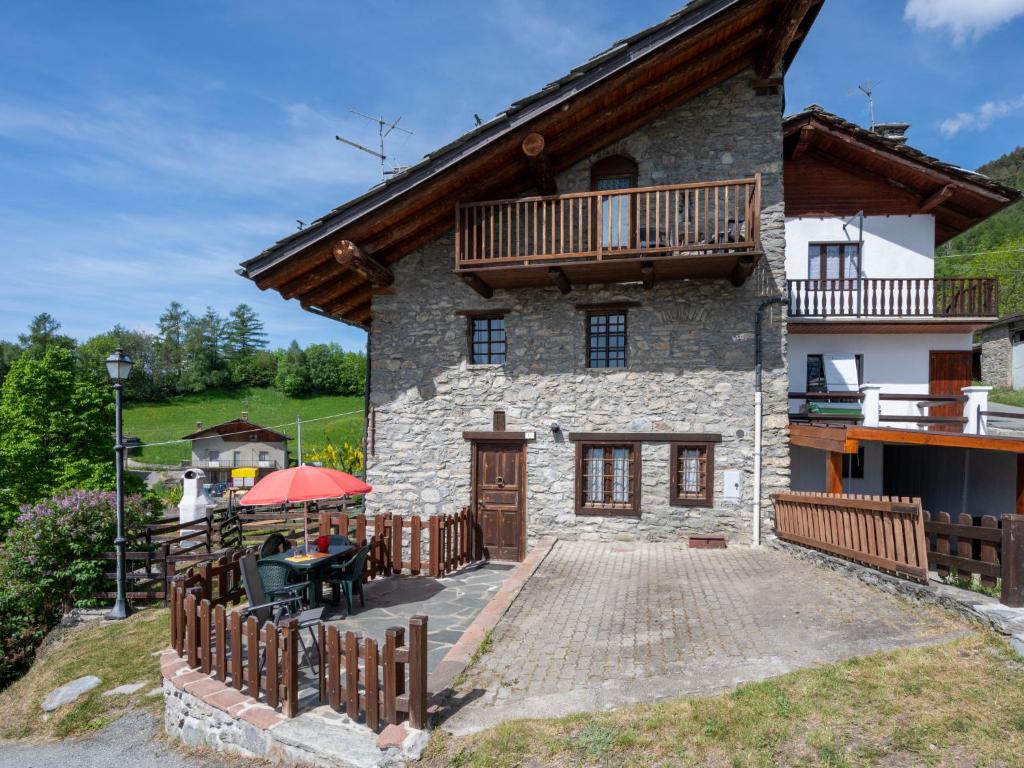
x=119, y=367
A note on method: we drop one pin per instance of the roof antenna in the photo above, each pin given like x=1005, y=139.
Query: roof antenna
x=384, y=129
x=868, y=90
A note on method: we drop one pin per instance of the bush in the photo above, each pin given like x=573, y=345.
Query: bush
x=48, y=564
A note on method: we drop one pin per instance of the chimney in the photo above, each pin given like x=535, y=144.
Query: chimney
x=199, y=425
x=245, y=415
x=893, y=131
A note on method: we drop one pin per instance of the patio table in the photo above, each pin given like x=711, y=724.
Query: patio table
x=313, y=567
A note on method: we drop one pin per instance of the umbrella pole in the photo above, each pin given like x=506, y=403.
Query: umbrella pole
x=305, y=522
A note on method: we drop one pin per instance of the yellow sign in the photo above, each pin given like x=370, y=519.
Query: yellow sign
x=244, y=472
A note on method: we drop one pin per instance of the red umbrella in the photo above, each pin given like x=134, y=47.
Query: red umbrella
x=305, y=483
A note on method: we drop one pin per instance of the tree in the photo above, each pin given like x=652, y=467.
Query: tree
x=204, y=364
x=353, y=374
x=256, y=370
x=292, y=374
x=9, y=352
x=243, y=332
x=43, y=333
x=56, y=429
x=324, y=363
x=170, y=347
x=143, y=385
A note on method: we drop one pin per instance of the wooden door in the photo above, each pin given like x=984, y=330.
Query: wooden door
x=948, y=374
x=499, y=487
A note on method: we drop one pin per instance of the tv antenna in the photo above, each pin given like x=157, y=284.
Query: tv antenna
x=384, y=129
x=868, y=89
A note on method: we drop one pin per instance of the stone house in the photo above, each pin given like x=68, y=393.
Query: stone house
x=237, y=444
x=1002, y=353
x=562, y=305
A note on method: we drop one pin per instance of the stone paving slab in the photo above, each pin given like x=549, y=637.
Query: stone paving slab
x=600, y=625
x=451, y=603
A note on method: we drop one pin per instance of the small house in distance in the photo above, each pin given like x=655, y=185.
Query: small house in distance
x=237, y=444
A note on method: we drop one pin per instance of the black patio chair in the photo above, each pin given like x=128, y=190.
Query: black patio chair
x=349, y=577
x=272, y=598
x=274, y=544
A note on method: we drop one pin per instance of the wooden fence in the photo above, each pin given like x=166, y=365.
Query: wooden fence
x=436, y=545
x=399, y=542
x=883, y=532
x=160, y=550
x=381, y=686
x=991, y=547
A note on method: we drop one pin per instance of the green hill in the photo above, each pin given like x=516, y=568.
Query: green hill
x=160, y=422
x=994, y=248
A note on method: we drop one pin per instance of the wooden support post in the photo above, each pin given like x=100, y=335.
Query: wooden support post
x=478, y=285
x=539, y=163
x=743, y=269
x=252, y=656
x=371, y=683
x=390, y=687
x=352, y=675
x=190, y=630
x=435, y=545
x=205, y=657
x=647, y=272
x=834, y=472
x=1012, y=593
x=1020, y=484
x=396, y=545
x=325, y=523
x=418, y=671
x=272, y=687
x=290, y=664
x=560, y=279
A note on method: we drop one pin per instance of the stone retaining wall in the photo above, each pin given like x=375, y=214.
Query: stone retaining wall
x=996, y=356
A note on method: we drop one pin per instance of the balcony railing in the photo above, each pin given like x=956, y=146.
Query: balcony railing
x=672, y=220
x=232, y=463
x=871, y=407
x=940, y=297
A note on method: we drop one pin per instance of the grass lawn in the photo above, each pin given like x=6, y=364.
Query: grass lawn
x=176, y=417
x=956, y=704
x=1007, y=396
x=117, y=653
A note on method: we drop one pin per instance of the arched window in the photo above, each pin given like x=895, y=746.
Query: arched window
x=617, y=211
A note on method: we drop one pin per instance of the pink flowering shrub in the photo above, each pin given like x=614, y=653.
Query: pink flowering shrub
x=48, y=564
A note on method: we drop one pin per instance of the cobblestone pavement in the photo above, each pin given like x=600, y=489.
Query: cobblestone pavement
x=605, y=624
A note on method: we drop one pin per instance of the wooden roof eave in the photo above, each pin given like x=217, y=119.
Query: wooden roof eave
x=303, y=269
x=847, y=439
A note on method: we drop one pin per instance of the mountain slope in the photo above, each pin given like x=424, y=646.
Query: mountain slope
x=994, y=248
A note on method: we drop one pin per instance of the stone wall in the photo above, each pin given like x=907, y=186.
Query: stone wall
x=691, y=354
x=996, y=356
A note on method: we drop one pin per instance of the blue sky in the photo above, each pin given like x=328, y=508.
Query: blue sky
x=147, y=148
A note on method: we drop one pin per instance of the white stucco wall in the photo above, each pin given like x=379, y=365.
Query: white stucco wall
x=894, y=246
x=807, y=471
x=898, y=362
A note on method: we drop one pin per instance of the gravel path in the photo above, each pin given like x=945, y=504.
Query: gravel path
x=131, y=741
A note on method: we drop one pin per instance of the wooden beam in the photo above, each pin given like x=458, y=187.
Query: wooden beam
x=349, y=301
x=743, y=269
x=834, y=472
x=351, y=258
x=802, y=143
x=539, y=163
x=559, y=278
x=647, y=270
x=785, y=31
x=473, y=281
x=943, y=439
x=937, y=198
x=1020, y=484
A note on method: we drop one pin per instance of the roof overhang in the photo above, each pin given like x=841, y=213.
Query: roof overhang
x=630, y=84
x=905, y=180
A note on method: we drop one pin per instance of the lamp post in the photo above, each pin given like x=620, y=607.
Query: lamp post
x=119, y=366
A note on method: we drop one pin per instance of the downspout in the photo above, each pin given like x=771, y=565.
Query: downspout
x=758, y=321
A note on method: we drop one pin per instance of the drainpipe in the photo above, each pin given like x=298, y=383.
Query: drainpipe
x=758, y=320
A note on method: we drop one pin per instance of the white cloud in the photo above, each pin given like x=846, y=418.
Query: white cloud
x=964, y=19
x=982, y=117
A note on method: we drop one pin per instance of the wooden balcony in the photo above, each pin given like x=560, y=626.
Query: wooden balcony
x=947, y=298
x=706, y=230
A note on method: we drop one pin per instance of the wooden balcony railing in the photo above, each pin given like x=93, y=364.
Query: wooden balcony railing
x=943, y=297
x=677, y=219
